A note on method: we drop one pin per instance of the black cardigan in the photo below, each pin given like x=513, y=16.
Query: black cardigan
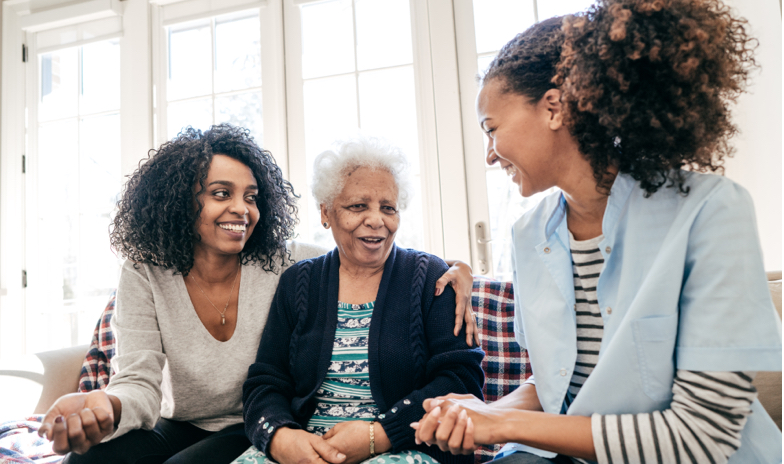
x=412, y=353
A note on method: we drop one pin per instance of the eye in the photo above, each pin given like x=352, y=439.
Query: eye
x=389, y=209
x=221, y=193
x=251, y=198
x=489, y=131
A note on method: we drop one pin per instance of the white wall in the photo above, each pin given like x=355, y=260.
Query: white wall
x=757, y=162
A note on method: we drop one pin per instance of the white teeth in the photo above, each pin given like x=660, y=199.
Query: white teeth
x=233, y=227
x=510, y=170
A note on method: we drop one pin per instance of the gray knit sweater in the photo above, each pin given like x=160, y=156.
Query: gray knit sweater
x=168, y=365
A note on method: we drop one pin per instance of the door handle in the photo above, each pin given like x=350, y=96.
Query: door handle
x=480, y=232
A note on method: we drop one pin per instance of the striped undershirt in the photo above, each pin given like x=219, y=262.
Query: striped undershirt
x=708, y=409
x=587, y=264
x=345, y=393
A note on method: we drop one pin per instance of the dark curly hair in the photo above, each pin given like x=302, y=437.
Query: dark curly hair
x=646, y=84
x=156, y=221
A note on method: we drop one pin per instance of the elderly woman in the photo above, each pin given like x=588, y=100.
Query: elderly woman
x=356, y=339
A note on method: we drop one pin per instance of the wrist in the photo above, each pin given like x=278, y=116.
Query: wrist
x=382, y=443
x=116, y=409
x=278, y=441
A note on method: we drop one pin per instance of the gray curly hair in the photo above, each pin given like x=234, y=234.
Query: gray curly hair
x=332, y=166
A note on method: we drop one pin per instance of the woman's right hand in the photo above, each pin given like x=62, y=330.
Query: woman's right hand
x=293, y=446
x=78, y=421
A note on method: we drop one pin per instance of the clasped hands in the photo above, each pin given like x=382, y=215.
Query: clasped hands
x=78, y=421
x=345, y=443
x=456, y=423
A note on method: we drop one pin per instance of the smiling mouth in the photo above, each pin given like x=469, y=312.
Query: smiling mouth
x=234, y=227
x=371, y=239
x=510, y=170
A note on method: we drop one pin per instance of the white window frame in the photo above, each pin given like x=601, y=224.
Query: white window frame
x=444, y=201
x=17, y=134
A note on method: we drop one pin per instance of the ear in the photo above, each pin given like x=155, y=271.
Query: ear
x=552, y=104
x=324, y=215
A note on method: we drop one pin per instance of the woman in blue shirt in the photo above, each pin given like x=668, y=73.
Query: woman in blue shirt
x=640, y=290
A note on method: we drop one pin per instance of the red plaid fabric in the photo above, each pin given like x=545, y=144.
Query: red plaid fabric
x=97, y=368
x=506, y=366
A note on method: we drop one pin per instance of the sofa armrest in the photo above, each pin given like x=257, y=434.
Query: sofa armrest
x=57, y=372
x=768, y=384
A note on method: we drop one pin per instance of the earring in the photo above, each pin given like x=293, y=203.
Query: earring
x=326, y=225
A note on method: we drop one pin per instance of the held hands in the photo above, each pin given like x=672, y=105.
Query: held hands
x=353, y=439
x=293, y=446
x=462, y=281
x=78, y=421
x=456, y=423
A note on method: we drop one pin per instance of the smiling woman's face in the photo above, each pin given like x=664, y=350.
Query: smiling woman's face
x=229, y=212
x=364, y=218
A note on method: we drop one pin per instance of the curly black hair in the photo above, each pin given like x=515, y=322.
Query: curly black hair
x=647, y=85
x=156, y=221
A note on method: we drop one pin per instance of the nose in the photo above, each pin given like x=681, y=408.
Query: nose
x=374, y=219
x=490, y=157
x=238, y=206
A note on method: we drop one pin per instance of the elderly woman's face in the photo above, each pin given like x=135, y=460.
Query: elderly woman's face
x=364, y=217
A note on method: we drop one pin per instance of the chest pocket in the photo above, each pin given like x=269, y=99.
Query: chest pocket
x=654, y=338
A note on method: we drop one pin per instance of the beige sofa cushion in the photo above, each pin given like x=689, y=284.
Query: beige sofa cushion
x=769, y=383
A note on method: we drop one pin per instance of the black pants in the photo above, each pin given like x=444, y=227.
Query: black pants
x=170, y=442
x=527, y=458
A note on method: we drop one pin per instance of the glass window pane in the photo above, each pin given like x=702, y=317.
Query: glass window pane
x=237, y=54
x=497, y=21
x=59, y=84
x=483, y=62
x=190, y=60
x=387, y=107
x=327, y=38
x=383, y=33
x=195, y=113
x=549, y=8
x=100, y=77
x=330, y=113
x=242, y=110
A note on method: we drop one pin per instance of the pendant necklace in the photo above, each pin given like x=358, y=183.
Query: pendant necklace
x=222, y=313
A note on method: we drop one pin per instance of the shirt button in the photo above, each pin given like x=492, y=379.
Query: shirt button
x=575, y=306
x=381, y=416
x=266, y=424
x=563, y=372
x=609, y=310
x=546, y=249
x=608, y=250
x=406, y=402
x=261, y=420
x=269, y=430
x=394, y=410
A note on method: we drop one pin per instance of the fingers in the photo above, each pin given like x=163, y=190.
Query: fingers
x=468, y=438
x=472, y=332
x=460, y=311
x=327, y=452
x=455, y=441
x=105, y=421
x=77, y=438
x=59, y=436
x=444, y=430
x=427, y=427
x=441, y=283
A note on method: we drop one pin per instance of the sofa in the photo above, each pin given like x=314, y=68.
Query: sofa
x=506, y=366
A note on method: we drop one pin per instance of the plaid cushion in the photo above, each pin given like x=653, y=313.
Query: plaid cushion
x=506, y=366
x=97, y=367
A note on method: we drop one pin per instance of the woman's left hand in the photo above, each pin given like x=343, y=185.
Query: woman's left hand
x=457, y=423
x=352, y=438
x=462, y=281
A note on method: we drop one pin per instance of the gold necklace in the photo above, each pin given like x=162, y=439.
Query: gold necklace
x=222, y=313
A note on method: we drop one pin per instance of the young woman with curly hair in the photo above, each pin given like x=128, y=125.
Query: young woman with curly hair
x=640, y=291
x=205, y=225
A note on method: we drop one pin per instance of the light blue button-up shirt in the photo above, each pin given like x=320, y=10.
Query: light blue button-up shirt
x=683, y=287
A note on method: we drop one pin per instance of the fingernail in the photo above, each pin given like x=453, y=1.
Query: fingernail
x=341, y=456
x=58, y=419
x=463, y=414
x=437, y=402
x=436, y=410
x=438, y=291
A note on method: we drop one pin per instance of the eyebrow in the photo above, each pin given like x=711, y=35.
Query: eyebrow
x=229, y=183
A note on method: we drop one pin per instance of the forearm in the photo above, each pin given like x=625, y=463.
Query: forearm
x=523, y=398
x=567, y=435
